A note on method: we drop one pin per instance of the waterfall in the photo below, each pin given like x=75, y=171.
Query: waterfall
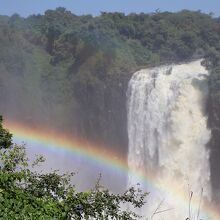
x=168, y=133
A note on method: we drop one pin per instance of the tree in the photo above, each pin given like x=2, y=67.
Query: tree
x=5, y=136
x=27, y=194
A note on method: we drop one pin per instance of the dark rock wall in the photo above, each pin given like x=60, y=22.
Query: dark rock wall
x=213, y=107
x=102, y=113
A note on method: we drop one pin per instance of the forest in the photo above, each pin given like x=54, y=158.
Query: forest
x=71, y=73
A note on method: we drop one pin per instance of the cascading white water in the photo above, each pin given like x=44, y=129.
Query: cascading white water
x=167, y=131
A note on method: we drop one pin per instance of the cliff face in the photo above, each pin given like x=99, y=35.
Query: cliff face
x=214, y=123
x=102, y=114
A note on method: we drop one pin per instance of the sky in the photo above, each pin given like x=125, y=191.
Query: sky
x=94, y=7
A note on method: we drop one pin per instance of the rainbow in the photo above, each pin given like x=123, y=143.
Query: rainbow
x=55, y=141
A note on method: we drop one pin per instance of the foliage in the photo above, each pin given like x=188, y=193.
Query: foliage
x=27, y=194
x=5, y=137
x=48, y=60
x=71, y=40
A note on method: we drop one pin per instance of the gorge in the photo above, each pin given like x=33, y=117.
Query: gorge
x=129, y=84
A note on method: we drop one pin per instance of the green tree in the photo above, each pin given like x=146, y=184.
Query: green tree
x=27, y=194
x=5, y=136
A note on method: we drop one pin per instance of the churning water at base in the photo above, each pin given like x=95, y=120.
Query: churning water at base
x=167, y=131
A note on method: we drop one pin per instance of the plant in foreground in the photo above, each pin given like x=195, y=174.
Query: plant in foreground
x=28, y=194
